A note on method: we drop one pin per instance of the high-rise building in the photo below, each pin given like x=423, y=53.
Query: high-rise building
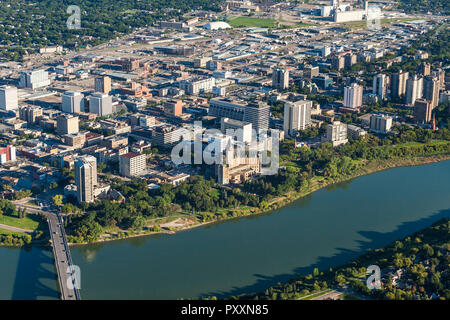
x=349, y=60
x=197, y=85
x=103, y=84
x=101, y=104
x=297, y=116
x=398, y=84
x=34, y=79
x=422, y=111
x=424, y=69
x=30, y=113
x=431, y=90
x=173, y=107
x=72, y=102
x=280, y=78
x=85, y=178
x=66, y=124
x=379, y=86
x=8, y=98
x=337, y=133
x=7, y=154
x=132, y=164
x=240, y=130
x=414, y=89
x=380, y=123
x=257, y=113
x=309, y=72
x=353, y=95
x=337, y=63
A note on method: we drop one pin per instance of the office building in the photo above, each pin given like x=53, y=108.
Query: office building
x=103, y=84
x=309, y=72
x=398, y=84
x=280, y=78
x=424, y=69
x=349, y=60
x=353, y=95
x=34, y=79
x=338, y=63
x=8, y=98
x=422, y=111
x=30, y=114
x=166, y=135
x=72, y=102
x=132, y=164
x=431, y=90
x=380, y=123
x=66, y=124
x=337, y=133
x=197, y=85
x=414, y=89
x=173, y=107
x=100, y=104
x=85, y=178
x=257, y=113
x=240, y=130
x=379, y=85
x=297, y=116
x=7, y=154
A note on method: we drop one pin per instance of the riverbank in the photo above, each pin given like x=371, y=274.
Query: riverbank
x=317, y=183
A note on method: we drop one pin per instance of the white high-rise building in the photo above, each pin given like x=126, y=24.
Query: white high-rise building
x=297, y=116
x=379, y=86
x=8, y=98
x=414, y=89
x=85, y=178
x=380, y=123
x=353, y=96
x=280, y=78
x=72, y=102
x=34, y=79
x=100, y=104
x=337, y=133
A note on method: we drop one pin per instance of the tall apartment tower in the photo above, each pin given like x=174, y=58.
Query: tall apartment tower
x=103, y=84
x=414, y=88
x=101, y=104
x=431, y=90
x=353, y=96
x=337, y=133
x=280, y=78
x=85, y=178
x=422, y=111
x=380, y=123
x=132, y=164
x=72, y=102
x=297, y=116
x=337, y=63
x=379, y=86
x=30, y=114
x=398, y=84
x=8, y=98
x=257, y=113
x=66, y=124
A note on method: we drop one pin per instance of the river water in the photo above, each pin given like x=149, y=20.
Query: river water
x=325, y=229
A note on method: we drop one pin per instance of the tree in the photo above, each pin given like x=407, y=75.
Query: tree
x=57, y=200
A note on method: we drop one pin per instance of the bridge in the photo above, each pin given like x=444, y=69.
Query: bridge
x=61, y=251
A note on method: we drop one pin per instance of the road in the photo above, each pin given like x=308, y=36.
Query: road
x=14, y=229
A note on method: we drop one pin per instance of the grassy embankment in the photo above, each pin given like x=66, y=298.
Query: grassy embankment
x=183, y=220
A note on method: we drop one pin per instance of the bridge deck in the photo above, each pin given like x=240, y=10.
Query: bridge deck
x=62, y=256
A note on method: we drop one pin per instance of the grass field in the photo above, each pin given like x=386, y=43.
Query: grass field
x=248, y=22
x=30, y=222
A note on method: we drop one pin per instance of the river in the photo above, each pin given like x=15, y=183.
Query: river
x=325, y=229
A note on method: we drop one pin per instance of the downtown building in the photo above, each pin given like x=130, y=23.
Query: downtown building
x=100, y=104
x=280, y=78
x=379, y=86
x=8, y=98
x=398, y=84
x=353, y=96
x=102, y=84
x=414, y=89
x=34, y=79
x=86, y=178
x=132, y=164
x=336, y=133
x=257, y=113
x=297, y=116
x=380, y=123
x=72, y=102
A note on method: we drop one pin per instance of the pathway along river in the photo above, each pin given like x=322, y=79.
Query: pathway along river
x=328, y=228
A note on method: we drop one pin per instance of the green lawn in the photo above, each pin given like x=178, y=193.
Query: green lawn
x=30, y=222
x=248, y=22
